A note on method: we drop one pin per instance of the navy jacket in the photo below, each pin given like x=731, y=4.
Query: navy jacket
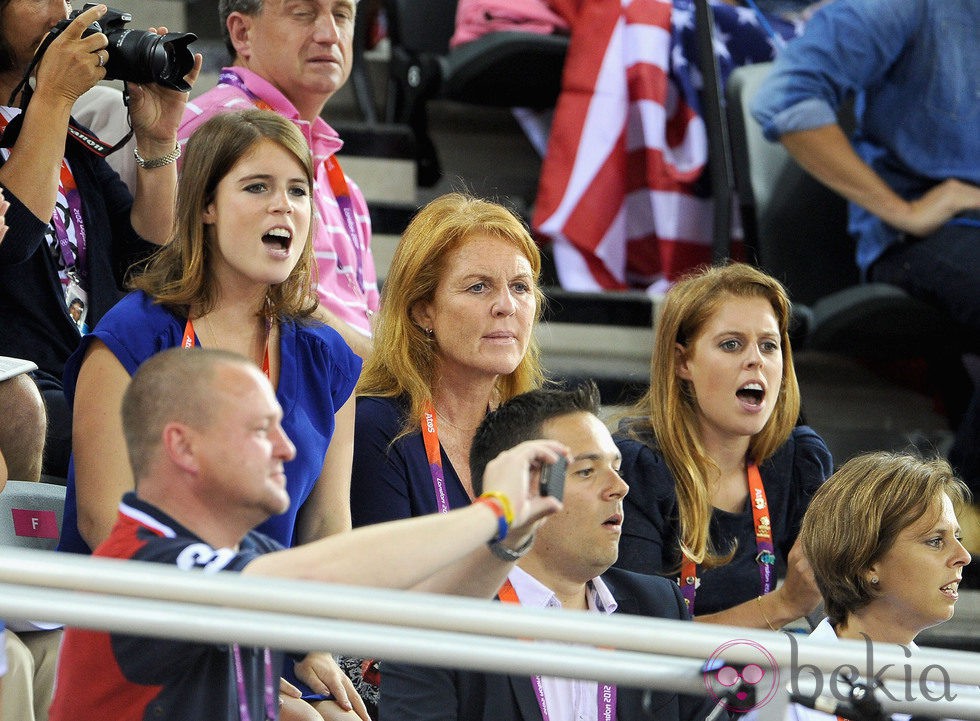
x=418, y=693
x=33, y=315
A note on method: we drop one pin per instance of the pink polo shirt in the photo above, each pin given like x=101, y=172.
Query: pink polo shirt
x=350, y=295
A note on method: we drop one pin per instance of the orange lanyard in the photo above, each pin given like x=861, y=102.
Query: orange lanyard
x=74, y=262
x=190, y=340
x=606, y=694
x=430, y=437
x=765, y=551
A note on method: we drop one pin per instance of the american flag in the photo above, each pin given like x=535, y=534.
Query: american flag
x=622, y=196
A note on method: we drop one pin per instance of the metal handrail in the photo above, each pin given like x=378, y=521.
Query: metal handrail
x=156, y=600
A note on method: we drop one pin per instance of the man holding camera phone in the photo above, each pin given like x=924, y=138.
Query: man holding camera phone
x=205, y=440
x=291, y=56
x=568, y=566
x=74, y=227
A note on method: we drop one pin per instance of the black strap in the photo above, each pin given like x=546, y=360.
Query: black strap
x=86, y=138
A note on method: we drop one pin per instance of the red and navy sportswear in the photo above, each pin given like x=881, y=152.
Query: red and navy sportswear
x=104, y=675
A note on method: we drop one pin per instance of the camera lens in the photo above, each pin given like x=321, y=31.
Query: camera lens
x=144, y=57
x=137, y=55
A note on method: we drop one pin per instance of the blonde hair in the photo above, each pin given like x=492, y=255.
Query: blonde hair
x=855, y=517
x=669, y=410
x=179, y=274
x=404, y=359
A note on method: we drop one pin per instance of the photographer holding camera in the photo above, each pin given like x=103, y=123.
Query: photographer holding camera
x=75, y=229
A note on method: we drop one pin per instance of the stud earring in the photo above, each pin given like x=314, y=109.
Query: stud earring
x=874, y=580
x=428, y=332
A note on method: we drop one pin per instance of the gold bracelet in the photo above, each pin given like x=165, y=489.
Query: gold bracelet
x=762, y=610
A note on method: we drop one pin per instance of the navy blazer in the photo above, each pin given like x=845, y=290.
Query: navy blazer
x=419, y=693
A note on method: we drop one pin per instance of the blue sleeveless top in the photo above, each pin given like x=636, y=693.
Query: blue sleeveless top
x=316, y=377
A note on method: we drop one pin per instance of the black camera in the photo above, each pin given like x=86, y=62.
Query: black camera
x=137, y=55
x=553, y=478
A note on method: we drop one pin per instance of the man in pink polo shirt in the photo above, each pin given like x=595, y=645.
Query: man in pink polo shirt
x=291, y=56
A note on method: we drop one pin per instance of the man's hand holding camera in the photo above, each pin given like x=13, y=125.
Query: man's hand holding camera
x=66, y=67
x=80, y=56
x=515, y=473
x=155, y=112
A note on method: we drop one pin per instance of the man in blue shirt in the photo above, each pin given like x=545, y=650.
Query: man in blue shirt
x=911, y=170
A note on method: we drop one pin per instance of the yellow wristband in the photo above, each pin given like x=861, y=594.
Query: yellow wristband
x=497, y=507
x=504, y=501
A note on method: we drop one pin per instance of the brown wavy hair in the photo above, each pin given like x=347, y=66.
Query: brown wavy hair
x=179, y=274
x=856, y=516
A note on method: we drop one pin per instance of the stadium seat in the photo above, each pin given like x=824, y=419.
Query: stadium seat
x=501, y=69
x=31, y=514
x=796, y=229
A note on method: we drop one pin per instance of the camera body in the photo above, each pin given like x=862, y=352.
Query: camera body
x=137, y=55
x=553, y=478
